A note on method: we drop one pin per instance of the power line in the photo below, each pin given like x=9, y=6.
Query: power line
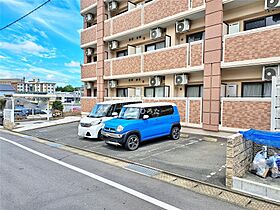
x=25, y=15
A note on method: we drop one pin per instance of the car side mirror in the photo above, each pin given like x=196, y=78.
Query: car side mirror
x=115, y=114
x=145, y=117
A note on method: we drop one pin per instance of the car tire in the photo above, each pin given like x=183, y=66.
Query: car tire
x=132, y=142
x=175, y=133
x=99, y=135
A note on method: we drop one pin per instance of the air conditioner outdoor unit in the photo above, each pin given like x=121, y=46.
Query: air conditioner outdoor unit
x=156, y=33
x=89, y=17
x=272, y=4
x=113, y=45
x=181, y=79
x=182, y=26
x=113, y=84
x=88, y=85
x=269, y=72
x=154, y=81
x=113, y=6
x=89, y=51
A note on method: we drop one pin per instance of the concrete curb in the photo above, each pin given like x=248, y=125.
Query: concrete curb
x=221, y=193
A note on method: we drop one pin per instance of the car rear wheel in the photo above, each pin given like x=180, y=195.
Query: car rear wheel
x=175, y=133
x=132, y=142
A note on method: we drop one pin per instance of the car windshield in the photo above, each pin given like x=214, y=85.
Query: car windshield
x=100, y=110
x=129, y=113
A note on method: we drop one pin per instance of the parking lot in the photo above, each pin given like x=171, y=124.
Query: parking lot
x=192, y=156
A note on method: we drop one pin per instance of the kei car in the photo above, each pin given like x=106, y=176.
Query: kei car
x=141, y=122
x=90, y=126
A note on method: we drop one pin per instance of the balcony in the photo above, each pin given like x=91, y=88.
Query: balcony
x=151, y=14
x=252, y=47
x=87, y=3
x=88, y=36
x=164, y=61
x=88, y=71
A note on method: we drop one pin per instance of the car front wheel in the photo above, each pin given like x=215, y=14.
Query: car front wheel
x=132, y=142
x=175, y=133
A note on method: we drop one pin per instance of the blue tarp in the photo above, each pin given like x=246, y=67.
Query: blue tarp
x=262, y=137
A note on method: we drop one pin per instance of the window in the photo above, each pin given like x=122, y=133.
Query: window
x=194, y=90
x=166, y=110
x=155, y=46
x=118, y=108
x=161, y=91
x=195, y=37
x=256, y=89
x=262, y=22
x=151, y=111
x=122, y=53
x=122, y=92
x=89, y=59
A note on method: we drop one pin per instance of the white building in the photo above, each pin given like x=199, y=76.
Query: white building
x=36, y=86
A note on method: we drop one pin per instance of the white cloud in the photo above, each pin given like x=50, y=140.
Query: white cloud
x=72, y=64
x=2, y=57
x=28, y=47
x=24, y=59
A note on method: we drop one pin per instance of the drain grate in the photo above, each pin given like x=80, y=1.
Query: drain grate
x=142, y=170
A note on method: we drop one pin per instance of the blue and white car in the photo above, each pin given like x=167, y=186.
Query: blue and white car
x=90, y=126
x=141, y=122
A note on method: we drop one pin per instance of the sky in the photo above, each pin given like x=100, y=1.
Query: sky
x=44, y=45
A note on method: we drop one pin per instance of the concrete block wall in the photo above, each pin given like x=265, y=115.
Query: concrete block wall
x=239, y=156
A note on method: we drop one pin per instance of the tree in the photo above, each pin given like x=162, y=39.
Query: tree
x=67, y=88
x=2, y=103
x=57, y=105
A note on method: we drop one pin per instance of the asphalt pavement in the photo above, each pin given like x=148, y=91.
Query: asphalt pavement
x=190, y=157
x=38, y=176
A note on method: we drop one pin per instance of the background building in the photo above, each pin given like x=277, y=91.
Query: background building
x=36, y=86
x=6, y=89
x=214, y=58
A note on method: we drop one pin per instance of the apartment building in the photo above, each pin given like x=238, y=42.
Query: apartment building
x=213, y=58
x=35, y=86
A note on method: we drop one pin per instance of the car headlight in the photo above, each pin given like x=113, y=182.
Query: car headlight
x=96, y=123
x=119, y=128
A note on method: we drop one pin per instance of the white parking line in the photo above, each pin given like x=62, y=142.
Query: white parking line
x=96, y=177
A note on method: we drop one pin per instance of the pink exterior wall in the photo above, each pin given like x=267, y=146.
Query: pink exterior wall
x=88, y=71
x=196, y=54
x=126, y=22
x=197, y=3
x=251, y=46
x=212, y=64
x=160, y=9
x=194, y=111
x=246, y=114
x=88, y=35
x=126, y=65
x=87, y=104
x=87, y=3
x=165, y=59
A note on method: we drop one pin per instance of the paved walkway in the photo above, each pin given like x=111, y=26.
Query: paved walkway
x=30, y=125
x=199, y=131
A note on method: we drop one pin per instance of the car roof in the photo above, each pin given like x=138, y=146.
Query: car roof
x=143, y=105
x=119, y=101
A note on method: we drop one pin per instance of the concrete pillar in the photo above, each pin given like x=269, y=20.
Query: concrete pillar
x=100, y=50
x=212, y=64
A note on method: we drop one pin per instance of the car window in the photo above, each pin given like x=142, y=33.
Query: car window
x=166, y=110
x=151, y=111
x=118, y=108
x=130, y=113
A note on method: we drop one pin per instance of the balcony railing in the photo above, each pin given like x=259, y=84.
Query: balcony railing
x=148, y=13
x=88, y=71
x=88, y=35
x=87, y=3
x=168, y=59
x=261, y=43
